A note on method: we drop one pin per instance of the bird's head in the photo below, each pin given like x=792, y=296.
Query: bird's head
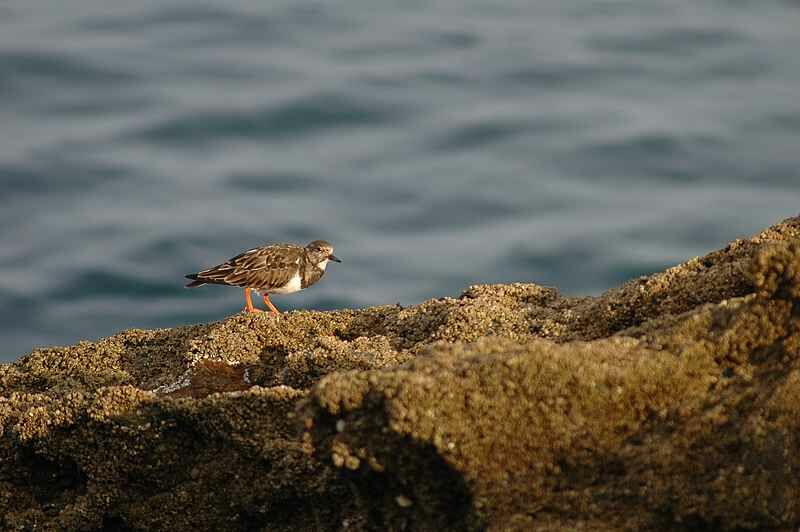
x=320, y=252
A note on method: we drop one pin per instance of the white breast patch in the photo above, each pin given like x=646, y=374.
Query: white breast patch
x=294, y=285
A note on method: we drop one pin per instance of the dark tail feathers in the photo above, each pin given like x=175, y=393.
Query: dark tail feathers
x=195, y=283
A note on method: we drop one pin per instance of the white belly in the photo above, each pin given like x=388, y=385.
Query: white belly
x=294, y=285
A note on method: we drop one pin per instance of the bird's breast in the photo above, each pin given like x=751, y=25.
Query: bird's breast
x=295, y=284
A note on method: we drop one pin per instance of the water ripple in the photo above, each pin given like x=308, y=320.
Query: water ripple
x=563, y=75
x=276, y=183
x=92, y=283
x=422, y=43
x=480, y=134
x=657, y=155
x=292, y=119
x=448, y=213
x=22, y=68
x=205, y=24
x=575, y=144
x=37, y=178
x=670, y=42
x=164, y=18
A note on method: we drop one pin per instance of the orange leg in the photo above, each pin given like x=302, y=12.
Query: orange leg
x=248, y=303
x=270, y=305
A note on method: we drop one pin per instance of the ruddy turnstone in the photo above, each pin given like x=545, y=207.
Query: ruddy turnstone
x=271, y=269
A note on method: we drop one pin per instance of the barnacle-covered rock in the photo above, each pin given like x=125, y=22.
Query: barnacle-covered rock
x=672, y=401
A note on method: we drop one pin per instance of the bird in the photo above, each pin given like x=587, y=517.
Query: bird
x=270, y=269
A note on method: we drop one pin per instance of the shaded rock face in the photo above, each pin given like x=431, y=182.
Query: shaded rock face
x=672, y=402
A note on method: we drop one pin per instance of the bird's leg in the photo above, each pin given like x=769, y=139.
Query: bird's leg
x=248, y=303
x=270, y=305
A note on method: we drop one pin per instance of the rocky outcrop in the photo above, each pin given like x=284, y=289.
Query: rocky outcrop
x=672, y=402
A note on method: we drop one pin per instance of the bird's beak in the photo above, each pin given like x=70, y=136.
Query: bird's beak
x=333, y=258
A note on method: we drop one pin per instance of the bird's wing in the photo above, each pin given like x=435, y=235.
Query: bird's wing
x=261, y=268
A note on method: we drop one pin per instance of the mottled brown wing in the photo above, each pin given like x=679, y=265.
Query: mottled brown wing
x=260, y=268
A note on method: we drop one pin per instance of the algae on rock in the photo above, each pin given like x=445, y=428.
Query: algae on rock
x=670, y=402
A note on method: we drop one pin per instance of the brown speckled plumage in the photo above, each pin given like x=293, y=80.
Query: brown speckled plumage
x=270, y=268
x=260, y=268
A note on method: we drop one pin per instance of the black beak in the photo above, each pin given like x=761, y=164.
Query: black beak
x=333, y=258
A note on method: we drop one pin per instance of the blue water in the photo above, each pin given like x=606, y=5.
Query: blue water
x=436, y=144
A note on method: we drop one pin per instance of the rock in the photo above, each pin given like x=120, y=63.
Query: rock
x=670, y=402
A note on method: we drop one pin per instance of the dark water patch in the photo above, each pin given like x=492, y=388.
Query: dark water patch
x=55, y=175
x=179, y=24
x=575, y=257
x=737, y=68
x=492, y=131
x=18, y=310
x=315, y=15
x=93, y=283
x=165, y=250
x=22, y=68
x=705, y=231
x=571, y=75
x=219, y=73
x=379, y=192
x=23, y=327
x=304, y=116
x=424, y=42
x=184, y=26
x=655, y=155
x=614, y=8
x=165, y=18
x=684, y=42
x=84, y=105
x=276, y=182
x=453, y=212
x=438, y=77
x=422, y=78
x=480, y=134
x=224, y=36
x=788, y=121
x=460, y=40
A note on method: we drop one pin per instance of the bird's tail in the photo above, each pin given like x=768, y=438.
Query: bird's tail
x=195, y=283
